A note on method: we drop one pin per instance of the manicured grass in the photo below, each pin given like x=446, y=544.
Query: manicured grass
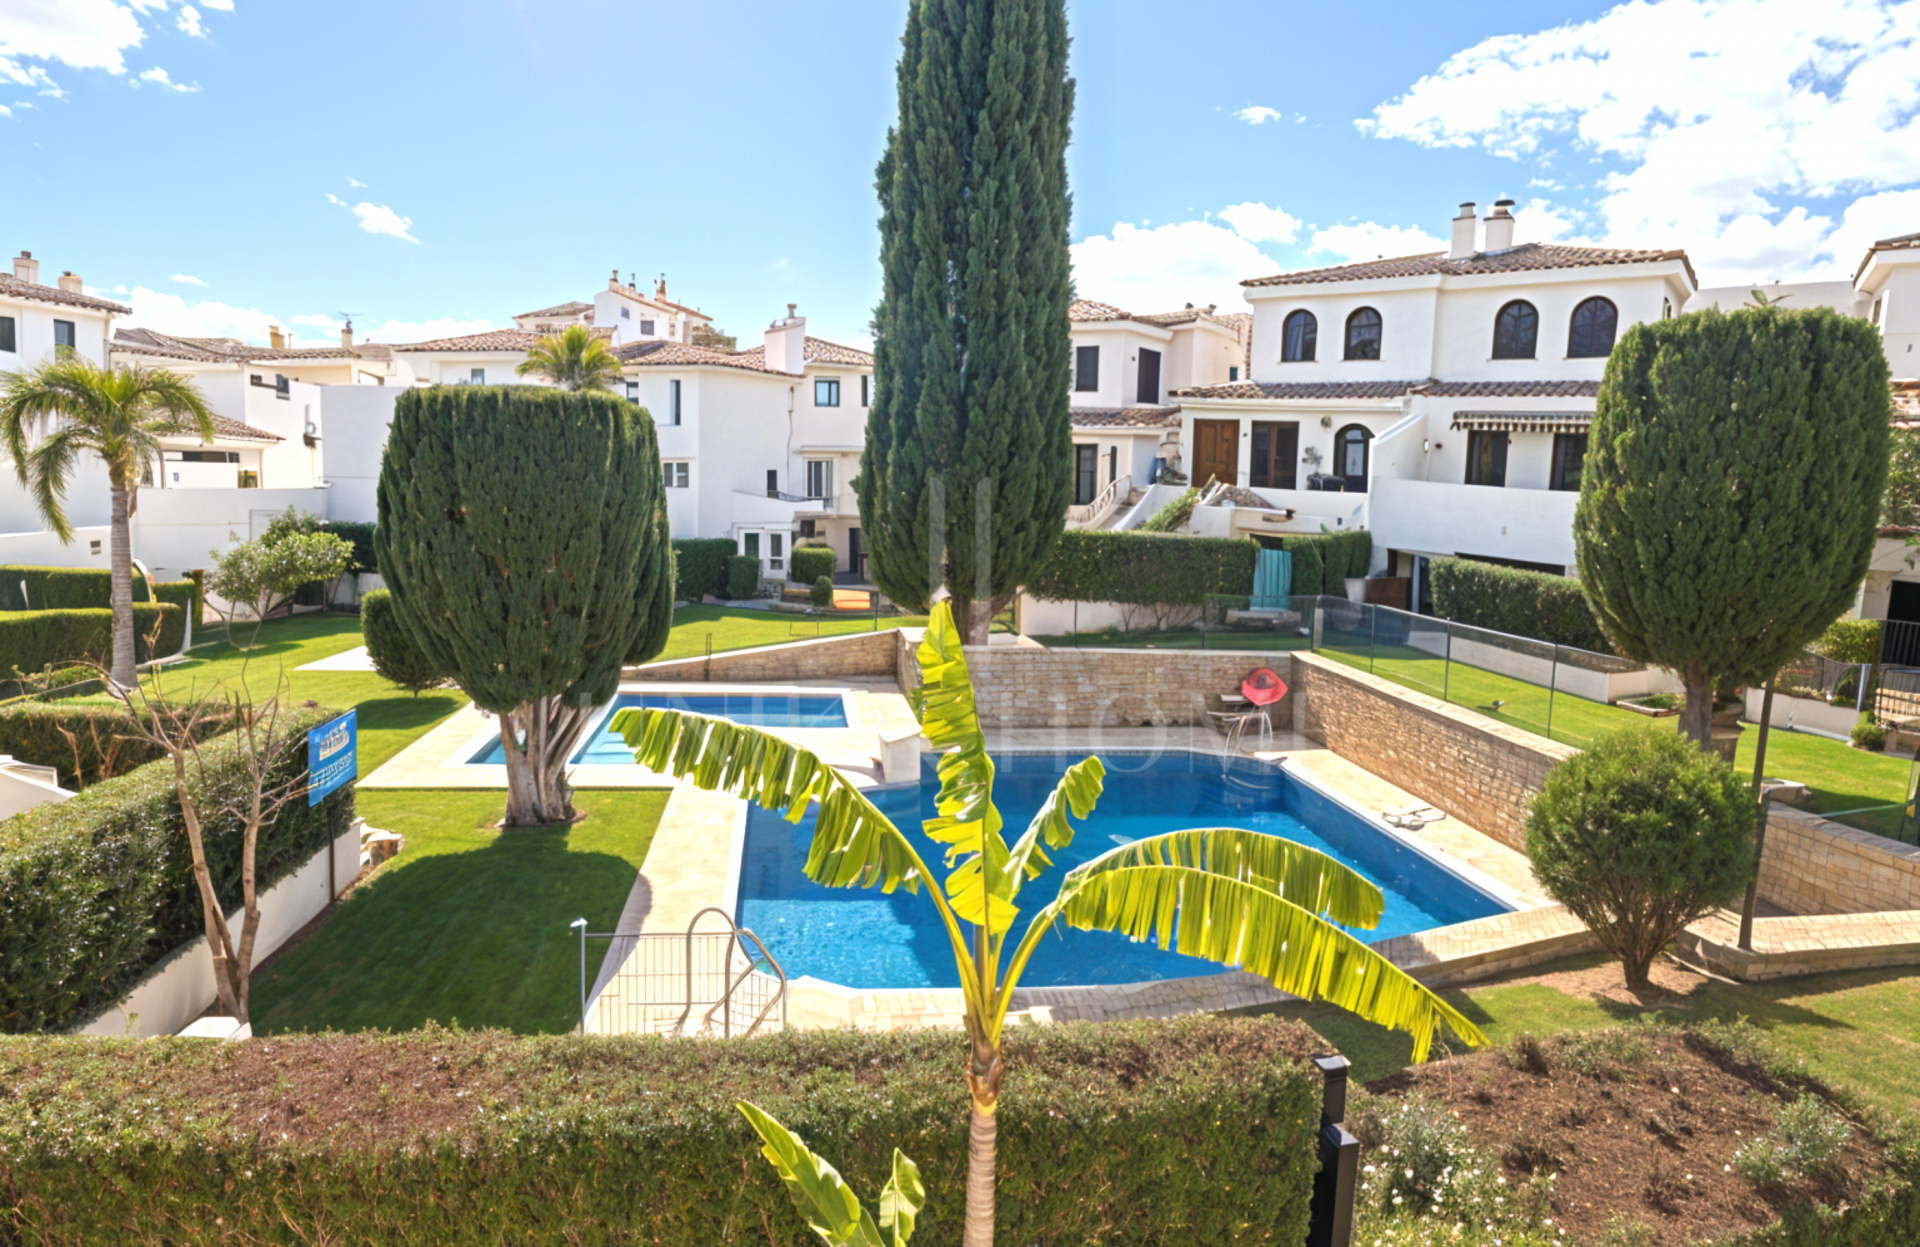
x=468, y=924
x=734, y=628
x=1149, y=638
x=1860, y=1028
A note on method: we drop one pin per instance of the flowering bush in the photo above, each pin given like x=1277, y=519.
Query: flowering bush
x=1423, y=1184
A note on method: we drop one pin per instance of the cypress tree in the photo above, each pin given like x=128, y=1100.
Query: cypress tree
x=1731, y=489
x=523, y=534
x=968, y=449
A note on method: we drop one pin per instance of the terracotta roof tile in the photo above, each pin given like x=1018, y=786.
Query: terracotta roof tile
x=492, y=340
x=559, y=309
x=822, y=351
x=1509, y=389
x=231, y=350
x=226, y=430
x=1088, y=310
x=1374, y=390
x=1528, y=257
x=13, y=288
x=686, y=355
x=1126, y=417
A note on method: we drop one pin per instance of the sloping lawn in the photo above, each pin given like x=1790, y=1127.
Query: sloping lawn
x=735, y=628
x=468, y=924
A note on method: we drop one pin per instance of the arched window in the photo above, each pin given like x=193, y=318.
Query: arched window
x=1363, y=334
x=1298, y=337
x=1516, y=331
x=1594, y=323
x=1350, y=447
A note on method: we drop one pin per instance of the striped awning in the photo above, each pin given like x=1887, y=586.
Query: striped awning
x=1523, y=421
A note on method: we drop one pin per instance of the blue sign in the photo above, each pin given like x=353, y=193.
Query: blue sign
x=333, y=756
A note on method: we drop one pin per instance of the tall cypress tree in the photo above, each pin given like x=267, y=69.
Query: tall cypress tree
x=523, y=534
x=969, y=442
x=1731, y=491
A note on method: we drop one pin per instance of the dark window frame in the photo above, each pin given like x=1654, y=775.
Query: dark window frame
x=1366, y=457
x=1144, y=394
x=828, y=386
x=1563, y=443
x=72, y=336
x=1594, y=305
x=1270, y=468
x=866, y=389
x=1515, y=319
x=1299, y=337
x=1086, y=473
x=673, y=400
x=9, y=335
x=1367, y=345
x=1086, y=369
x=1501, y=444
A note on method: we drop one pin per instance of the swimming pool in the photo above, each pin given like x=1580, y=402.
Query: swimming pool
x=866, y=940
x=606, y=747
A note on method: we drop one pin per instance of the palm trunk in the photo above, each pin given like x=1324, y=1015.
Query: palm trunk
x=984, y=1072
x=123, y=669
x=538, y=792
x=1696, y=720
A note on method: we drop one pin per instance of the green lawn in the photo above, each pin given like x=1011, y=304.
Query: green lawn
x=1859, y=1028
x=1149, y=638
x=468, y=924
x=734, y=628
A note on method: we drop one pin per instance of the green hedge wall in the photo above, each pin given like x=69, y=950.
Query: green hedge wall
x=94, y=890
x=1194, y=1131
x=30, y=731
x=700, y=567
x=360, y=534
x=1323, y=561
x=809, y=563
x=1850, y=640
x=743, y=577
x=30, y=640
x=395, y=654
x=1143, y=569
x=1523, y=603
x=77, y=588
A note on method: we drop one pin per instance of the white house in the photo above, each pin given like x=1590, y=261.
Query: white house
x=1441, y=400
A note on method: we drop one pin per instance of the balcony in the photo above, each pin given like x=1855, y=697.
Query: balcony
x=1529, y=525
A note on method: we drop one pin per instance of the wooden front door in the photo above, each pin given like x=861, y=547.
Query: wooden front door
x=1216, y=451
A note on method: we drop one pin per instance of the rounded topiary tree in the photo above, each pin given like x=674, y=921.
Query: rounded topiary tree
x=822, y=592
x=1638, y=836
x=1731, y=491
x=523, y=534
x=390, y=645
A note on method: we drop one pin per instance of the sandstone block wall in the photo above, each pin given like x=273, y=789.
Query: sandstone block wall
x=1030, y=686
x=1814, y=866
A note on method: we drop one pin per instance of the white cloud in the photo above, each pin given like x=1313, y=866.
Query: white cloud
x=170, y=313
x=1258, y=223
x=1710, y=118
x=356, y=182
x=1540, y=221
x=5, y=111
x=1257, y=114
x=189, y=21
x=319, y=322
x=378, y=218
x=426, y=330
x=225, y=6
x=1369, y=240
x=1159, y=270
x=158, y=77
x=185, y=280
x=81, y=34
x=149, y=6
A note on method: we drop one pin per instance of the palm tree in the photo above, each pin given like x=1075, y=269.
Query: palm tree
x=573, y=359
x=117, y=414
x=1236, y=897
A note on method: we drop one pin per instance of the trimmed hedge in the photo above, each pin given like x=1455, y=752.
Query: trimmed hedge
x=1143, y=569
x=360, y=533
x=1198, y=1130
x=95, y=890
x=1323, y=561
x=743, y=577
x=395, y=654
x=821, y=594
x=700, y=567
x=33, y=640
x=809, y=563
x=78, y=588
x=1850, y=640
x=1521, y=603
x=30, y=731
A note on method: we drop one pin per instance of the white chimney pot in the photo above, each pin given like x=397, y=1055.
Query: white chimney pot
x=1465, y=226
x=70, y=282
x=1500, y=226
x=26, y=268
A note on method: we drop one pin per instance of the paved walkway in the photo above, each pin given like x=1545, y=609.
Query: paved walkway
x=355, y=659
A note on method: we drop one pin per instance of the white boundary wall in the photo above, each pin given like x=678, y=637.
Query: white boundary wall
x=180, y=988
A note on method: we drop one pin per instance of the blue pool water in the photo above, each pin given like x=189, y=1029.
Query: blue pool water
x=864, y=939
x=606, y=747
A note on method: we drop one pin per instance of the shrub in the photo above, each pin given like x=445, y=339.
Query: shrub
x=1198, y=1130
x=1869, y=735
x=36, y=640
x=103, y=740
x=1539, y=605
x=700, y=567
x=743, y=577
x=1638, y=836
x=95, y=890
x=1850, y=640
x=78, y=588
x=1309, y=567
x=822, y=592
x=359, y=534
x=394, y=654
x=1173, y=517
x=1139, y=569
x=810, y=563
x=1329, y=558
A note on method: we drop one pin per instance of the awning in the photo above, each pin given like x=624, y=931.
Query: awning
x=1523, y=421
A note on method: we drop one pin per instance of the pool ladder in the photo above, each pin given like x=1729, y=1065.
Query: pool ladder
x=656, y=984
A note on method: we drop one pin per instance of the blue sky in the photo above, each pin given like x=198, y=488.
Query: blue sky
x=436, y=168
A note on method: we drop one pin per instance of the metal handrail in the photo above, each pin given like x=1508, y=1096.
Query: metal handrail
x=677, y=1013
x=726, y=997
x=1103, y=502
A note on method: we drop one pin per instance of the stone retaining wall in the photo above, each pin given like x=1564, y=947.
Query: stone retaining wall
x=1480, y=771
x=1029, y=686
x=1812, y=865
x=816, y=658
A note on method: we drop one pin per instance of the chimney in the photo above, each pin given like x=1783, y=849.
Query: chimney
x=1500, y=226
x=276, y=338
x=1463, y=229
x=660, y=288
x=613, y=283
x=69, y=282
x=26, y=268
x=786, y=343
x=346, y=335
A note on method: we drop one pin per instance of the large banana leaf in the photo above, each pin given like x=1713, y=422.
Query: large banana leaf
x=1238, y=922
x=966, y=820
x=1309, y=878
x=826, y=1201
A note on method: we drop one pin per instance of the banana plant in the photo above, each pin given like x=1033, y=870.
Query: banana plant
x=1240, y=898
x=823, y=1197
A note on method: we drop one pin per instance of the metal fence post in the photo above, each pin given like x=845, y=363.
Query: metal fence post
x=1330, y=1222
x=1373, y=633
x=580, y=925
x=1446, y=666
x=1553, y=685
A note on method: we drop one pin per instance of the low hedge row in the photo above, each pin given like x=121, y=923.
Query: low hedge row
x=1323, y=561
x=700, y=567
x=1850, y=640
x=395, y=654
x=1143, y=569
x=809, y=563
x=1539, y=605
x=94, y=890
x=1198, y=1130
x=33, y=640
x=102, y=737
x=26, y=587
x=360, y=533
x=743, y=577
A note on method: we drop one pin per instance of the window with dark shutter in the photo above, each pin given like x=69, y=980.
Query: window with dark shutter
x=7, y=340
x=1569, y=456
x=1591, y=335
x=1149, y=387
x=1086, y=474
x=1086, y=369
x=63, y=335
x=673, y=402
x=866, y=391
x=1363, y=334
x=1486, y=458
x=1516, y=331
x=1297, y=338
